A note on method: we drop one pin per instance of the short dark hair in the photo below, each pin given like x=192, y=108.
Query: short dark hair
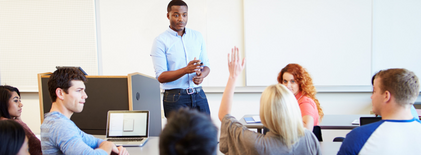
x=62, y=78
x=12, y=137
x=5, y=95
x=176, y=3
x=401, y=83
x=188, y=132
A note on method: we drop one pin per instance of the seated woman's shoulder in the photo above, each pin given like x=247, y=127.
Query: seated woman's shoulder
x=306, y=99
x=310, y=136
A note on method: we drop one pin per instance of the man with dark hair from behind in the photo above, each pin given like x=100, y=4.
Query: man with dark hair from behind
x=394, y=93
x=188, y=132
x=12, y=138
x=59, y=134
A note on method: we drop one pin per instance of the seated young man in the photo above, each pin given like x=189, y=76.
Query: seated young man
x=60, y=135
x=188, y=132
x=394, y=93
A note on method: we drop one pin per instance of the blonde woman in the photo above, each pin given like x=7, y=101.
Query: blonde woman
x=279, y=112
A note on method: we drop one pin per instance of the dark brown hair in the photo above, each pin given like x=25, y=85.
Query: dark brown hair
x=62, y=78
x=188, y=132
x=12, y=137
x=5, y=95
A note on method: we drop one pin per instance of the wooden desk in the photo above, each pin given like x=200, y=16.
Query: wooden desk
x=328, y=122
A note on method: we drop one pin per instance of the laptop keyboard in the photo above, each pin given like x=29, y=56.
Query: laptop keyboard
x=125, y=139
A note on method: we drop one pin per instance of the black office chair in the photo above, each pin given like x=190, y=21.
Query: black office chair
x=317, y=131
x=338, y=139
x=265, y=130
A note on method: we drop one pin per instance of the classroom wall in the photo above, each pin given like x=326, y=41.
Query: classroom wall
x=37, y=36
x=125, y=50
x=125, y=31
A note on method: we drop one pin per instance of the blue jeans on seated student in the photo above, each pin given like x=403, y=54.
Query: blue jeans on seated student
x=175, y=99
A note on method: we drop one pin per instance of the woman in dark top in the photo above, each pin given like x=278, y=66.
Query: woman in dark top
x=11, y=108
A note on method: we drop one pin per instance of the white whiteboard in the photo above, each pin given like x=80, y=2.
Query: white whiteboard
x=330, y=38
x=105, y=37
x=37, y=36
x=127, y=29
x=397, y=35
x=341, y=43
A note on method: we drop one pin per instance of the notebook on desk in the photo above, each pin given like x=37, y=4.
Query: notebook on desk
x=356, y=122
x=253, y=119
x=128, y=128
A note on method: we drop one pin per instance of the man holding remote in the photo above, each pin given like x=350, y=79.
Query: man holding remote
x=180, y=62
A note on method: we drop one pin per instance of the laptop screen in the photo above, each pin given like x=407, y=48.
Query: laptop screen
x=368, y=120
x=122, y=124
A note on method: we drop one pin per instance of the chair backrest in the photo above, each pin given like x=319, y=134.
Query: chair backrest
x=317, y=131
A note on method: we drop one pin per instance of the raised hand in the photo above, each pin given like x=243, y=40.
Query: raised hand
x=235, y=66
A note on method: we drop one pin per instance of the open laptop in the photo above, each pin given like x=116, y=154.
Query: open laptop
x=128, y=128
x=368, y=120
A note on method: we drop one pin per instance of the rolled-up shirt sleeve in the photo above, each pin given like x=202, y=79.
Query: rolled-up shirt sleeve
x=159, y=58
x=204, y=55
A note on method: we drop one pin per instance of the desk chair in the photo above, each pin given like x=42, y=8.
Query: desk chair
x=338, y=139
x=317, y=131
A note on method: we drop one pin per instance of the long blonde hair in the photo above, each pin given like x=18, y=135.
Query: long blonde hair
x=279, y=112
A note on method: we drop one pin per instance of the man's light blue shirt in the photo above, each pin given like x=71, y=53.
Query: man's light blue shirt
x=60, y=135
x=171, y=52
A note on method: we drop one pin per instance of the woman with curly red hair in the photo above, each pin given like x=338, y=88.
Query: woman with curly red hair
x=299, y=82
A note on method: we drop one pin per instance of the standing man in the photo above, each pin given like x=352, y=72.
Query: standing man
x=180, y=62
x=394, y=93
x=59, y=134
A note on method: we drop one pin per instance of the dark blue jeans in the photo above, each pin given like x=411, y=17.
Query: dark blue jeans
x=176, y=99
